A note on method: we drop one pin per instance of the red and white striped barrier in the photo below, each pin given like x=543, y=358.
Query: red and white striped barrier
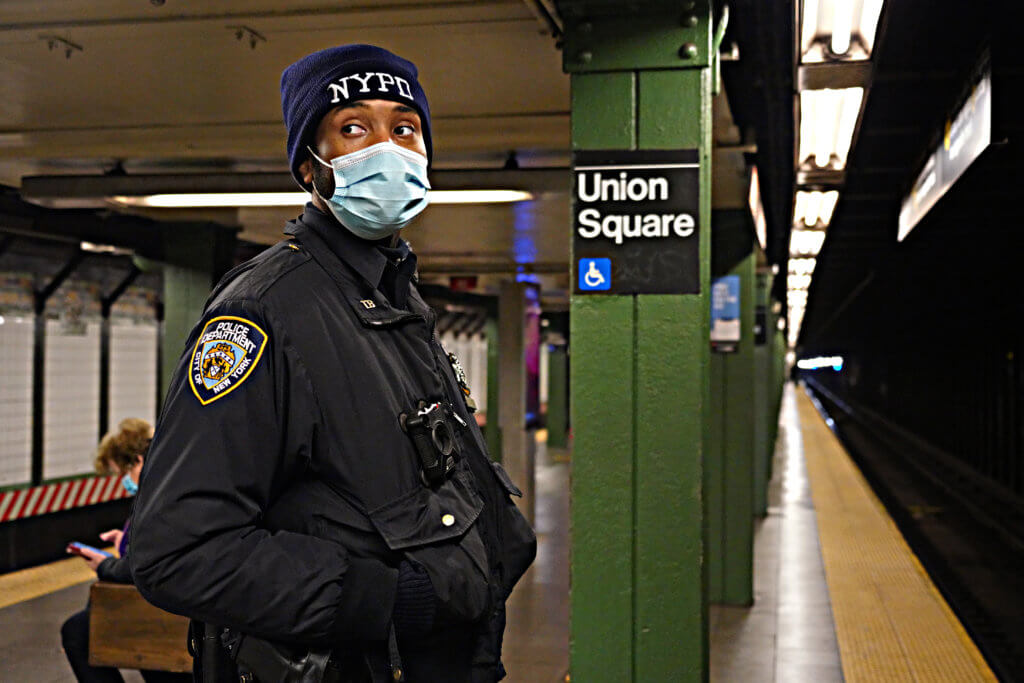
x=40, y=500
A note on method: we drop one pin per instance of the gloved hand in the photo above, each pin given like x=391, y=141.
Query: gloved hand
x=414, y=601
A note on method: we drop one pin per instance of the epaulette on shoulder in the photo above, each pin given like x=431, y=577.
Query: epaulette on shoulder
x=254, y=277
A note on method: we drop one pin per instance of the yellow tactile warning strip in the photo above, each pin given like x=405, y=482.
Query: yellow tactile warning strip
x=892, y=623
x=26, y=584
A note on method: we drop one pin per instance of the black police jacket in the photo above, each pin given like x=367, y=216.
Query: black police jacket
x=281, y=492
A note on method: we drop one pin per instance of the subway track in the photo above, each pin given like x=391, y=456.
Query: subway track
x=968, y=532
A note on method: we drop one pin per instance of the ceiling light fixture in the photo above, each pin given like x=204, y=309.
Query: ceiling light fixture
x=814, y=208
x=827, y=121
x=842, y=26
x=870, y=14
x=838, y=30
x=806, y=242
x=798, y=282
x=211, y=200
x=809, y=29
x=802, y=266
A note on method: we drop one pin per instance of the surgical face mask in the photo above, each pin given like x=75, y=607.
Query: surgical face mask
x=129, y=485
x=377, y=190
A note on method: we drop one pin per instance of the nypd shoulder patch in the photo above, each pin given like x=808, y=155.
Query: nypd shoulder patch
x=225, y=355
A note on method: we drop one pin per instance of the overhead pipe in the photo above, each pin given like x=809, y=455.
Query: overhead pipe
x=106, y=305
x=716, y=46
x=547, y=15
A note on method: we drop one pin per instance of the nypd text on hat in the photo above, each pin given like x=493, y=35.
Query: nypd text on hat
x=368, y=82
x=622, y=186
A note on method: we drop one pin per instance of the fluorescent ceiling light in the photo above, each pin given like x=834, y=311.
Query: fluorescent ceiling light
x=263, y=199
x=478, y=196
x=798, y=282
x=814, y=208
x=806, y=242
x=797, y=297
x=818, y=362
x=802, y=266
x=842, y=26
x=809, y=28
x=869, y=23
x=827, y=121
x=104, y=249
x=838, y=29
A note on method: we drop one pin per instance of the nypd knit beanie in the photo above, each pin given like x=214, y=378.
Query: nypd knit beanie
x=317, y=83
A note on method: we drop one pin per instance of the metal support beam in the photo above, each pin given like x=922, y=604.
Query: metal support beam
x=558, y=399
x=196, y=255
x=492, y=430
x=39, y=361
x=106, y=304
x=517, y=452
x=638, y=386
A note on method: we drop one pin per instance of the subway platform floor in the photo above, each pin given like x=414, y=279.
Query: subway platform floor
x=788, y=634
x=838, y=594
x=35, y=602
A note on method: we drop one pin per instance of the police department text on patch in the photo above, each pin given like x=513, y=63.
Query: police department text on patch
x=225, y=354
x=640, y=210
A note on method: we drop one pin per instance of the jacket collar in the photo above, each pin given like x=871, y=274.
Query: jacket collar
x=361, y=255
x=370, y=306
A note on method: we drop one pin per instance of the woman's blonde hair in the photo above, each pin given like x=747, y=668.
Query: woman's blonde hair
x=121, y=449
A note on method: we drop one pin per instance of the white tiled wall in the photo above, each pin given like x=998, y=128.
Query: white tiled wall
x=72, y=385
x=132, y=371
x=16, y=399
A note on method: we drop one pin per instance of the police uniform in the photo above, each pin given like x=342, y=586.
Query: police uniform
x=285, y=493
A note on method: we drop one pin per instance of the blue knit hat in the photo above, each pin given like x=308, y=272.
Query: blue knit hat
x=317, y=83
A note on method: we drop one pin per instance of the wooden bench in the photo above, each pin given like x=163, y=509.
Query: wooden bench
x=127, y=632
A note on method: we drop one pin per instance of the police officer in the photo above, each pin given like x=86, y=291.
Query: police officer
x=317, y=497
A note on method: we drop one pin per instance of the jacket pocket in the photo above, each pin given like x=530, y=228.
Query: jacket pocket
x=312, y=507
x=518, y=546
x=437, y=529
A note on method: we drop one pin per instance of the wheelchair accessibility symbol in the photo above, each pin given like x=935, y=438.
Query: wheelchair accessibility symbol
x=595, y=274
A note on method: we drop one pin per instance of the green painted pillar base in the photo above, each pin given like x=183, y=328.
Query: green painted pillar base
x=558, y=398
x=638, y=376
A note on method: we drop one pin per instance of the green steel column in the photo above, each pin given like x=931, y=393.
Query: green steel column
x=762, y=400
x=492, y=431
x=195, y=256
x=738, y=451
x=730, y=456
x=558, y=398
x=638, y=381
x=714, y=479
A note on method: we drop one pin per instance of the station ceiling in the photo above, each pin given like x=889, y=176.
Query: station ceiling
x=928, y=56
x=148, y=87
x=191, y=88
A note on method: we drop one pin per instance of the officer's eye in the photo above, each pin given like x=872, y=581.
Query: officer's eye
x=352, y=129
x=405, y=129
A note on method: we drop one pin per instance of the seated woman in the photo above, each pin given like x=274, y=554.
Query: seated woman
x=122, y=452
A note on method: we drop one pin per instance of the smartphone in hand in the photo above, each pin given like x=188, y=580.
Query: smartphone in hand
x=76, y=548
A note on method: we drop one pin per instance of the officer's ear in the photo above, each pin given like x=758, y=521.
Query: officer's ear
x=306, y=172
